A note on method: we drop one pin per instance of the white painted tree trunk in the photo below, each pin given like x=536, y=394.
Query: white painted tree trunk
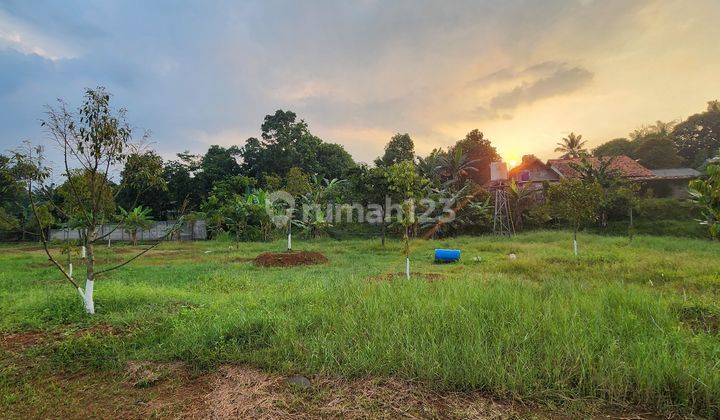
x=88, y=297
x=289, y=242
x=575, y=249
x=83, y=252
x=407, y=267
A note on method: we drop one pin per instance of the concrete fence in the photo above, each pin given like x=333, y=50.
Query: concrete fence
x=188, y=232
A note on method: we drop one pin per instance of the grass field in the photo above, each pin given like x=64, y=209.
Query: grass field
x=624, y=326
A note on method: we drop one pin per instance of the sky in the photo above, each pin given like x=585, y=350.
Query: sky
x=526, y=73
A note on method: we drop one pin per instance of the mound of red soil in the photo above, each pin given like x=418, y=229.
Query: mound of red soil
x=289, y=259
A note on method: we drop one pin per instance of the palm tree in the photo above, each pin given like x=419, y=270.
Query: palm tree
x=572, y=146
x=134, y=220
x=454, y=166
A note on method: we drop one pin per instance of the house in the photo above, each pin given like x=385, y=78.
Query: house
x=671, y=182
x=533, y=172
x=624, y=166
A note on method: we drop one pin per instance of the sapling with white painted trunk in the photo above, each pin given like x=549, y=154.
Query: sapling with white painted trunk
x=406, y=183
x=575, y=202
x=93, y=141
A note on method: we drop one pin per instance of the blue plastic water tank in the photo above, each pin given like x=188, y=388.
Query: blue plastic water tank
x=447, y=255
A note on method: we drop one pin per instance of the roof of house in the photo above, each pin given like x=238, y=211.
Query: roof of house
x=626, y=166
x=527, y=161
x=676, y=173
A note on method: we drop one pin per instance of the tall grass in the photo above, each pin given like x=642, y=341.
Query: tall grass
x=607, y=327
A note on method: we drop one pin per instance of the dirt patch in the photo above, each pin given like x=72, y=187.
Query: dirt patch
x=289, y=259
x=17, y=342
x=701, y=319
x=243, y=392
x=401, y=276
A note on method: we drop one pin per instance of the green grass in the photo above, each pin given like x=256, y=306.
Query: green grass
x=624, y=324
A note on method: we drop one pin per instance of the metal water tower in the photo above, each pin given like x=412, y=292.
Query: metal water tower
x=502, y=220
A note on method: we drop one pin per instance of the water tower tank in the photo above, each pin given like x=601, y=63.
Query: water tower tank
x=498, y=171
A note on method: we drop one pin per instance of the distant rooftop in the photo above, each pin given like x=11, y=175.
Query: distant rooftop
x=676, y=173
x=626, y=166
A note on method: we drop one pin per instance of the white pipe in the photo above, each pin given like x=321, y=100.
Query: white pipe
x=89, y=302
x=407, y=267
x=575, y=246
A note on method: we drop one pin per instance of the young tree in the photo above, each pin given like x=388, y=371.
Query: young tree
x=706, y=192
x=134, y=220
x=96, y=139
x=574, y=201
x=404, y=180
x=297, y=184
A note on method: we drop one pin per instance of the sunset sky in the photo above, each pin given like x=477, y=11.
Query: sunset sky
x=526, y=73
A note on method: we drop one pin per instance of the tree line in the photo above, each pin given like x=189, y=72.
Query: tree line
x=228, y=186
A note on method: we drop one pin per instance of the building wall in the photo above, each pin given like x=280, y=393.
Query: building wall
x=156, y=232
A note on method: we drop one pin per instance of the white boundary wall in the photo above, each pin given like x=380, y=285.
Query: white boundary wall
x=157, y=231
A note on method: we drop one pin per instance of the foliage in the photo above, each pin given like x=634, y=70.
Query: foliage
x=135, y=220
x=285, y=142
x=698, y=137
x=572, y=146
x=78, y=196
x=400, y=148
x=480, y=151
x=615, y=147
x=455, y=167
x=706, y=193
x=143, y=182
x=657, y=152
x=297, y=182
x=574, y=201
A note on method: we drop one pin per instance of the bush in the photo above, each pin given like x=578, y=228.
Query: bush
x=667, y=209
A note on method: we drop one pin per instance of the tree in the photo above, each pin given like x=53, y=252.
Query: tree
x=218, y=164
x=572, y=146
x=706, y=192
x=297, y=184
x=480, y=151
x=455, y=167
x=656, y=151
x=400, y=148
x=95, y=138
x=371, y=186
x=427, y=166
x=698, y=137
x=333, y=161
x=182, y=184
x=143, y=182
x=404, y=180
x=285, y=142
x=615, y=147
x=575, y=202
x=134, y=220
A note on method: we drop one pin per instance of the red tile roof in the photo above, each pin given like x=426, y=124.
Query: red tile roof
x=626, y=166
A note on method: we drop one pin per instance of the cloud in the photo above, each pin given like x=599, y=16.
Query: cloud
x=561, y=82
x=356, y=72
